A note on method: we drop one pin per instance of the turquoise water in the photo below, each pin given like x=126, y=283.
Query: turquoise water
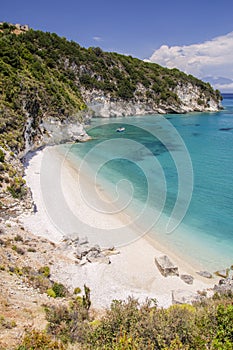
x=205, y=235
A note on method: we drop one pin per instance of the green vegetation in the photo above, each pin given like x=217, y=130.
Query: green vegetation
x=2, y=156
x=127, y=325
x=42, y=75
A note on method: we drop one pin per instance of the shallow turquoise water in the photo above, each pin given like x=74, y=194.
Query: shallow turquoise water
x=205, y=235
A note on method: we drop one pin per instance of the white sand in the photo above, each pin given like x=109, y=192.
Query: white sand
x=132, y=272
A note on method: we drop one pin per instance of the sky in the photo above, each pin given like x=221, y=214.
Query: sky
x=195, y=36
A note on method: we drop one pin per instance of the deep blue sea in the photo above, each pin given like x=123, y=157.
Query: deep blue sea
x=165, y=161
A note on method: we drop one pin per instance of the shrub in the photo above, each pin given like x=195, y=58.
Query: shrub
x=31, y=250
x=18, y=250
x=77, y=290
x=37, y=340
x=18, y=238
x=51, y=293
x=68, y=323
x=44, y=270
x=59, y=289
x=2, y=156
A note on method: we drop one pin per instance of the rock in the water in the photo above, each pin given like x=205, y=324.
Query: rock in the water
x=187, y=279
x=165, y=266
x=184, y=297
x=222, y=273
x=205, y=274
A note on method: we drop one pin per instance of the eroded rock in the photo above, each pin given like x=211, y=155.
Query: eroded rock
x=184, y=297
x=187, y=279
x=205, y=274
x=166, y=266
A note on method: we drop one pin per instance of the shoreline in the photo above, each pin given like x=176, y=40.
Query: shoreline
x=133, y=272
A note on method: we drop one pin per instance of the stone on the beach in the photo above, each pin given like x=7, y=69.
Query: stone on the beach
x=165, y=266
x=81, y=251
x=99, y=259
x=205, y=274
x=93, y=254
x=83, y=240
x=96, y=248
x=224, y=285
x=222, y=273
x=184, y=297
x=187, y=279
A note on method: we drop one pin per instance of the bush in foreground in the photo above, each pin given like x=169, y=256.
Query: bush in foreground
x=127, y=325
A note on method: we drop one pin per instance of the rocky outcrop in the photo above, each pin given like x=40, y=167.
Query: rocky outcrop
x=224, y=286
x=205, y=274
x=165, y=266
x=15, y=196
x=191, y=98
x=184, y=297
x=52, y=131
x=84, y=252
x=187, y=279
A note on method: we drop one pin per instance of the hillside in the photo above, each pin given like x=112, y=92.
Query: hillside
x=49, y=88
x=46, y=77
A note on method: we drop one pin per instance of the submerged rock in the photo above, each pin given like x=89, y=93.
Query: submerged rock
x=165, y=266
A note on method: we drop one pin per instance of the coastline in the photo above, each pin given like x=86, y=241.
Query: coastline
x=133, y=272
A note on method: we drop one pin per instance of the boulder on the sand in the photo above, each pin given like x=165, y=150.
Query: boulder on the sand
x=187, y=279
x=81, y=251
x=184, y=297
x=83, y=240
x=222, y=273
x=224, y=286
x=205, y=274
x=99, y=259
x=165, y=266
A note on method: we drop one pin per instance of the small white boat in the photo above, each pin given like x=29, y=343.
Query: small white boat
x=120, y=129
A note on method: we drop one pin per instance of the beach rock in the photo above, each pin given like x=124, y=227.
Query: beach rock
x=99, y=259
x=184, y=297
x=81, y=251
x=224, y=286
x=96, y=248
x=83, y=240
x=165, y=266
x=187, y=279
x=205, y=274
x=222, y=273
x=93, y=254
x=107, y=252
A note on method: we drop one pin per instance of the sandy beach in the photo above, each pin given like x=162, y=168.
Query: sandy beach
x=62, y=211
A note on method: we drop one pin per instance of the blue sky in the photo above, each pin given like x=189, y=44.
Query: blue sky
x=138, y=28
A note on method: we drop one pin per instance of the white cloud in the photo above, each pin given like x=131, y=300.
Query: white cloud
x=97, y=38
x=211, y=58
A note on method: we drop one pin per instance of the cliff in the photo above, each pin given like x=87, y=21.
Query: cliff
x=51, y=87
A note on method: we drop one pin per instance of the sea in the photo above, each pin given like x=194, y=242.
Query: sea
x=172, y=175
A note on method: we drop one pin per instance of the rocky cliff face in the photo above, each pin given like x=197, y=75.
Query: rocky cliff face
x=52, y=131
x=191, y=99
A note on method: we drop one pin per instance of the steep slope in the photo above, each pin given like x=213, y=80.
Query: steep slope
x=47, y=80
x=50, y=87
